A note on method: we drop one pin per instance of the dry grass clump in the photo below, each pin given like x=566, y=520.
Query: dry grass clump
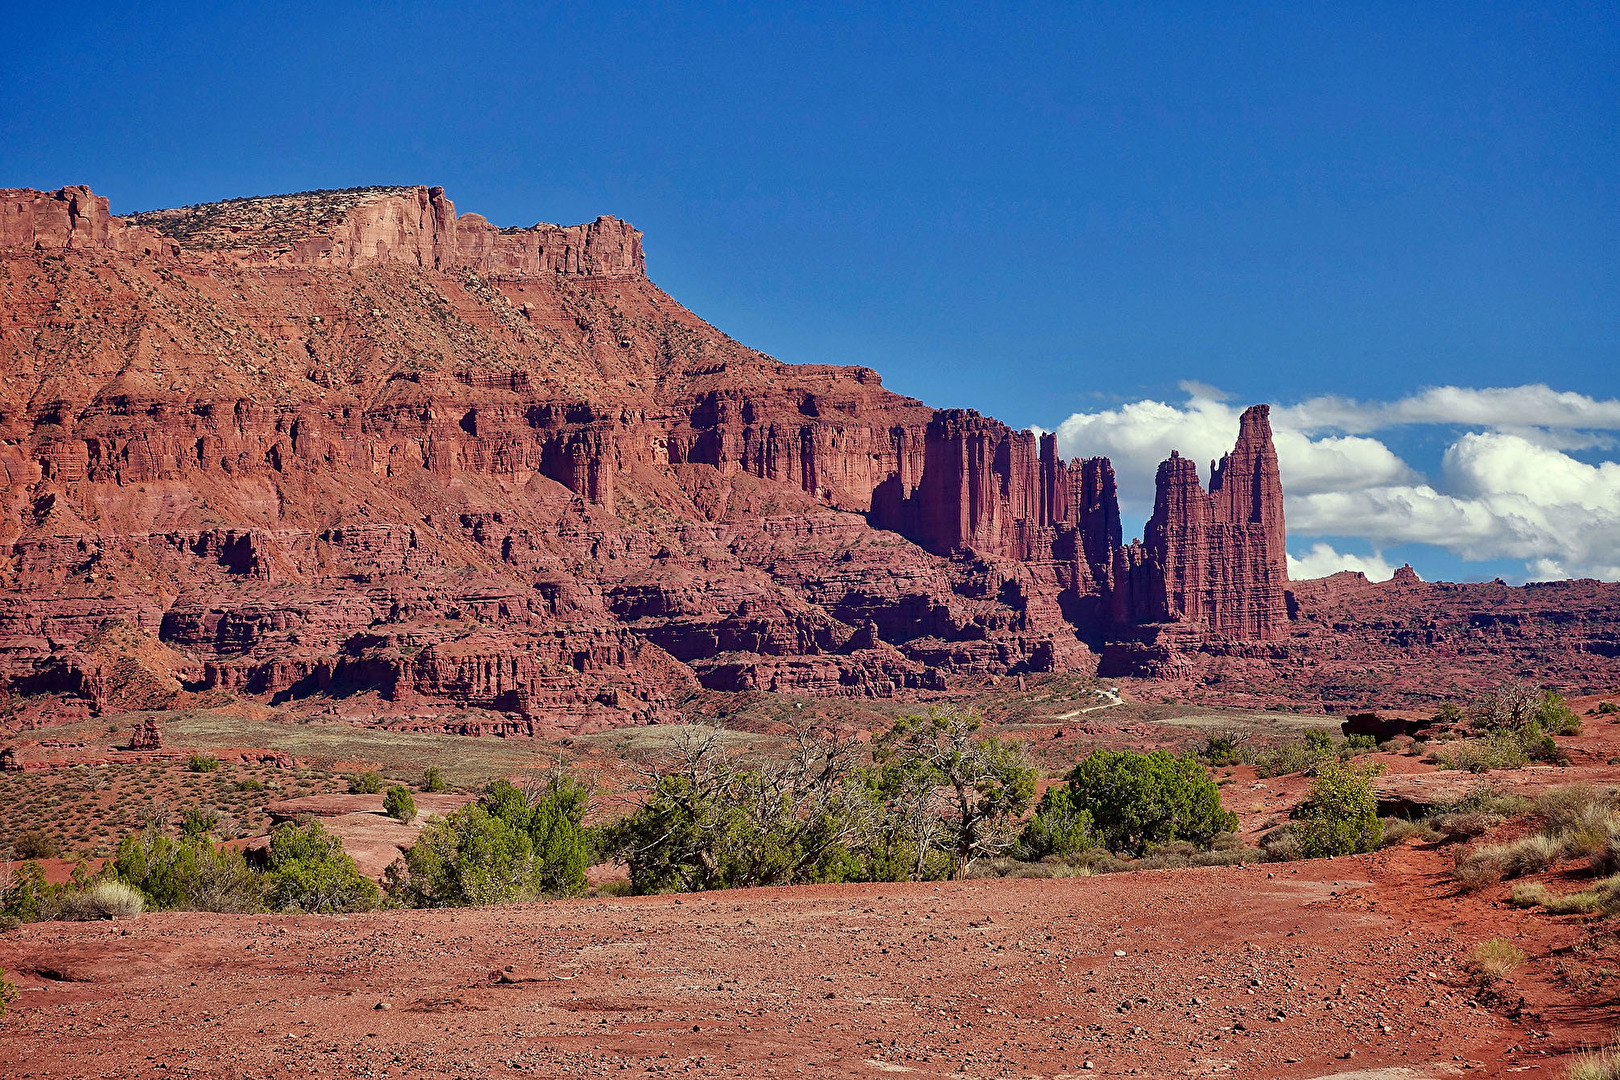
x=1606, y=863
x=1466, y=826
x=1531, y=894
x=1485, y=866
x=1399, y=830
x=1576, y=822
x=1495, y=958
x=103, y=900
x=1601, y=898
x=1601, y=1064
x=1578, y=808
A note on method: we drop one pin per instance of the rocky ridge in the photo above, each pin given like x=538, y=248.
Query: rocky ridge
x=353, y=446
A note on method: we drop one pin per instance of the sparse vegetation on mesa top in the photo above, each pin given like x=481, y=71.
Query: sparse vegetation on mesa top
x=88, y=810
x=257, y=220
x=36, y=844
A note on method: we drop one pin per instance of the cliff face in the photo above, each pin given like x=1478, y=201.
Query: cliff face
x=354, y=451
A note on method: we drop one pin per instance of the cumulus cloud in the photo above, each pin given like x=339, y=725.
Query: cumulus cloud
x=1321, y=560
x=1507, y=487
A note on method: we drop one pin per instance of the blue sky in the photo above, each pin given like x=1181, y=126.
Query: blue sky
x=1041, y=211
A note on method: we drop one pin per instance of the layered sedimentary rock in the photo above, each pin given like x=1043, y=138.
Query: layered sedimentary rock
x=353, y=451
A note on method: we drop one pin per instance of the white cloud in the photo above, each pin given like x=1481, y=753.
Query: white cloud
x=1322, y=560
x=1506, y=491
x=1537, y=405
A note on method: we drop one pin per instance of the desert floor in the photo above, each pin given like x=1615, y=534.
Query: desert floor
x=1346, y=967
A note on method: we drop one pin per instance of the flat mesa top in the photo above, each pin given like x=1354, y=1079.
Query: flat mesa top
x=259, y=220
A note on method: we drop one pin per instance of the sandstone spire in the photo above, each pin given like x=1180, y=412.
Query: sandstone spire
x=1218, y=559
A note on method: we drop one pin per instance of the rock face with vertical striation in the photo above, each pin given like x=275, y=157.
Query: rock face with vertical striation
x=1217, y=559
x=352, y=451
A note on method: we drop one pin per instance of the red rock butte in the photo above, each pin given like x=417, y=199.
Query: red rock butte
x=342, y=443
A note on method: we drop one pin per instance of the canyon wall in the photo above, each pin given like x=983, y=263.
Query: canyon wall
x=351, y=452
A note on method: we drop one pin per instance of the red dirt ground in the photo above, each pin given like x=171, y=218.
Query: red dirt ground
x=1276, y=970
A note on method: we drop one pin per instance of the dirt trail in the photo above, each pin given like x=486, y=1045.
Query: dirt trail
x=1223, y=971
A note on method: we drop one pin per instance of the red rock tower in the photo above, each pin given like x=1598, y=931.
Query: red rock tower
x=1218, y=559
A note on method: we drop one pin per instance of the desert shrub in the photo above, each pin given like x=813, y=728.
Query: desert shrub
x=8, y=991
x=1480, y=869
x=1607, y=708
x=1340, y=815
x=1135, y=800
x=1530, y=855
x=616, y=887
x=433, y=779
x=1450, y=713
x=252, y=783
x=1554, y=716
x=309, y=871
x=1319, y=741
x=197, y=821
x=1058, y=827
x=507, y=846
x=1500, y=751
x=1486, y=799
x=1302, y=756
x=24, y=896
x=188, y=874
x=1606, y=863
x=399, y=804
x=1526, y=716
x=202, y=763
x=1601, y=897
x=1495, y=958
x=366, y=783
x=114, y=900
x=36, y=844
x=470, y=857
x=1282, y=844
x=938, y=790
x=1360, y=744
x=1232, y=856
x=1222, y=748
